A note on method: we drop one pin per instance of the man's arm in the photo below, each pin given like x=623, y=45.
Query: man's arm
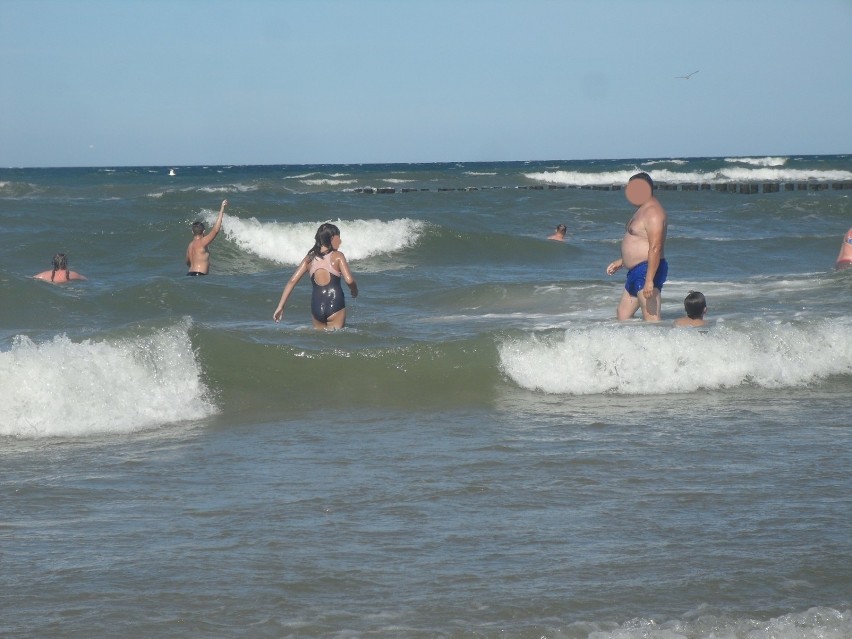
x=655, y=227
x=614, y=266
x=217, y=226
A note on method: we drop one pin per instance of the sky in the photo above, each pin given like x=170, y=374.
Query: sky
x=210, y=82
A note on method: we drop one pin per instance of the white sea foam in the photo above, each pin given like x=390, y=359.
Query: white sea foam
x=72, y=389
x=728, y=174
x=579, y=178
x=816, y=623
x=287, y=243
x=228, y=188
x=326, y=182
x=653, y=162
x=767, y=161
x=781, y=175
x=651, y=359
x=607, y=178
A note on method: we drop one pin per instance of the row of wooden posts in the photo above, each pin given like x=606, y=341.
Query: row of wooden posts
x=748, y=188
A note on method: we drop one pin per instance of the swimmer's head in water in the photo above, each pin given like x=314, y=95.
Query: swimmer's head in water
x=198, y=228
x=639, y=189
x=60, y=262
x=694, y=304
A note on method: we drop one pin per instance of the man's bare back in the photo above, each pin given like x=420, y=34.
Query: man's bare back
x=197, y=253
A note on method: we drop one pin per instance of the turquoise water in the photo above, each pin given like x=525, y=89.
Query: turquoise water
x=483, y=451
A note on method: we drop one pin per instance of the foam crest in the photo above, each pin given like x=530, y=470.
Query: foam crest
x=228, y=188
x=62, y=388
x=815, y=623
x=767, y=161
x=670, y=161
x=287, y=243
x=655, y=359
x=782, y=175
x=579, y=178
x=326, y=182
x=728, y=174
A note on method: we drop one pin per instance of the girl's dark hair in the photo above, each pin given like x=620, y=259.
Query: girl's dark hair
x=325, y=233
x=60, y=263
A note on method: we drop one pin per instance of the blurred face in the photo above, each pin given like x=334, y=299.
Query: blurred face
x=638, y=192
x=335, y=242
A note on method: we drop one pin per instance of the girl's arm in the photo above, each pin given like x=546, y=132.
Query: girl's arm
x=288, y=288
x=343, y=267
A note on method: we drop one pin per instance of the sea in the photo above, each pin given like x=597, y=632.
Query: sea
x=483, y=452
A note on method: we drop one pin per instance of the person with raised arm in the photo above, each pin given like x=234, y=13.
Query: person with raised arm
x=197, y=253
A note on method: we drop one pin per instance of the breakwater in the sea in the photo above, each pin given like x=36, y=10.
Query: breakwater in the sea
x=746, y=188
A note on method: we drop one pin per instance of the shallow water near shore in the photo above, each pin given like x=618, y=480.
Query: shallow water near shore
x=483, y=451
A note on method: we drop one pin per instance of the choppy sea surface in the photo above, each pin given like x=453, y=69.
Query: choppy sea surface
x=484, y=451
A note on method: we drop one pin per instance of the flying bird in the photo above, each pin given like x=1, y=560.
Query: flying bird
x=685, y=77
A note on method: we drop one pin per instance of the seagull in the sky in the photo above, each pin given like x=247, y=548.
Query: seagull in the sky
x=685, y=77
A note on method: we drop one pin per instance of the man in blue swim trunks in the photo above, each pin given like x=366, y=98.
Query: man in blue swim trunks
x=642, y=252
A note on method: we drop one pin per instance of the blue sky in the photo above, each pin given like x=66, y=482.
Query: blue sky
x=181, y=82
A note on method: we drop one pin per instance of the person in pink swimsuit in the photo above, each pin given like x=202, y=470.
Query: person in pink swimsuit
x=327, y=266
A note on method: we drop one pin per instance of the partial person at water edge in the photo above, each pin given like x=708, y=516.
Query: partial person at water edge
x=642, y=252
x=197, y=253
x=327, y=265
x=60, y=273
x=695, y=306
x=844, y=259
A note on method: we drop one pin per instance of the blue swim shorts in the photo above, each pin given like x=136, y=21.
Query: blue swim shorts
x=636, y=277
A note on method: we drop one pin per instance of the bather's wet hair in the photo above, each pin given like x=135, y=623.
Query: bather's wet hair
x=325, y=233
x=643, y=176
x=694, y=304
x=60, y=263
x=198, y=228
x=561, y=228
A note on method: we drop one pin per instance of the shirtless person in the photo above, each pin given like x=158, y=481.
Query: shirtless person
x=559, y=235
x=60, y=273
x=844, y=259
x=197, y=255
x=695, y=306
x=642, y=252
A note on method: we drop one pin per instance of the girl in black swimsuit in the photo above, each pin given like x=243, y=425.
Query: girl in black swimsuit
x=327, y=265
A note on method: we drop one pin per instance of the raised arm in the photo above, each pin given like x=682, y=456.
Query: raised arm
x=216, y=227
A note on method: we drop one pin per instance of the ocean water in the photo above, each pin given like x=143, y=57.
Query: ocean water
x=484, y=451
